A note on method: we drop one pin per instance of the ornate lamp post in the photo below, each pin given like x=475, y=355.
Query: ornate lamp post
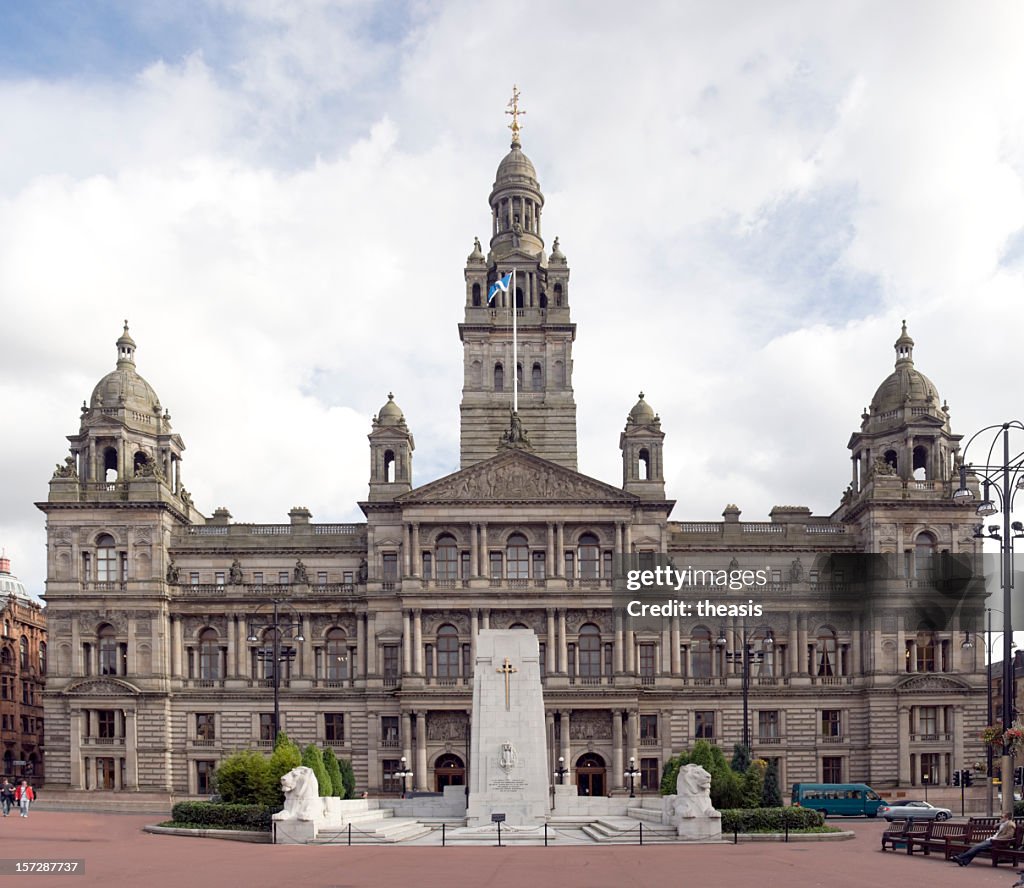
x=404, y=773
x=632, y=772
x=282, y=626
x=1005, y=480
x=768, y=642
x=561, y=770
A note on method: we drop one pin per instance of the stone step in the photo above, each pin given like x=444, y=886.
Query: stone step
x=371, y=816
x=108, y=802
x=647, y=815
x=395, y=829
x=626, y=831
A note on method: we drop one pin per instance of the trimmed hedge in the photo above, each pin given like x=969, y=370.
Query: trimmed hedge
x=216, y=815
x=747, y=820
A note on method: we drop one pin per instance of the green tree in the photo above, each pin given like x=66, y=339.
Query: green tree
x=286, y=756
x=740, y=758
x=313, y=759
x=771, y=793
x=753, y=783
x=334, y=772
x=244, y=778
x=726, y=791
x=348, y=778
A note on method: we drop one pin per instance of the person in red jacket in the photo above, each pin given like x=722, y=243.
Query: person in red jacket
x=24, y=795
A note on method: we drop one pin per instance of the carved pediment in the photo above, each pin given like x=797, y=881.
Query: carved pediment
x=101, y=687
x=516, y=477
x=929, y=684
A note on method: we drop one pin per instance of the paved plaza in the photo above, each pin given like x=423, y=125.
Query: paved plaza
x=118, y=853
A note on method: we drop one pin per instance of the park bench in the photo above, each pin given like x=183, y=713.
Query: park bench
x=1010, y=851
x=976, y=831
x=934, y=837
x=896, y=833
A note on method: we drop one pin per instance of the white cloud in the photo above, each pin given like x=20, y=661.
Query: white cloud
x=751, y=198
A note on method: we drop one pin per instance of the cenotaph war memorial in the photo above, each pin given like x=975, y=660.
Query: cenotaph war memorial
x=508, y=772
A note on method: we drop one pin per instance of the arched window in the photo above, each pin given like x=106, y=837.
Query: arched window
x=644, y=464
x=110, y=465
x=336, y=655
x=106, y=559
x=543, y=300
x=499, y=378
x=447, y=558
x=590, y=557
x=517, y=557
x=558, y=294
x=138, y=461
x=42, y=658
x=891, y=460
x=924, y=551
x=519, y=375
x=590, y=651
x=107, y=639
x=519, y=297
x=537, y=378
x=447, y=652
x=700, y=652
x=6, y=657
x=209, y=655
x=926, y=647
x=920, y=463
x=23, y=653
x=476, y=295
x=827, y=651
x=389, y=466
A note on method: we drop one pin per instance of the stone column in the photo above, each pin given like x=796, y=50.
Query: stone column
x=371, y=644
x=78, y=654
x=421, y=751
x=549, y=648
x=617, y=643
x=559, y=565
x=406, y=643
x=407, y=719
x=549, y=731
x=131, y=665
x=633, y=734
x=617, y=780
x=474, y=629
x=801, y=644
x=131, y=750
x=674, y=641
x=358, y=667
x=485, y=557
x=903, y=746
x=563, y=649
x=417, y=641
x=485, y=617
x=407, y=548
x=416, y=554
x=665, y=661
x=630, y=642
x=550, y=567
x=77, y=781
x=474, y=552
x=566, y=753
x=229, y=655
x=176, y=645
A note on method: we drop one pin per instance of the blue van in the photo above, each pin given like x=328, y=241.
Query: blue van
x=845, y=799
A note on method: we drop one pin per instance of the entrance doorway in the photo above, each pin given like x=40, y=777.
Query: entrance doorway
x=449, y=770
x=590, y=775
x=104, y=773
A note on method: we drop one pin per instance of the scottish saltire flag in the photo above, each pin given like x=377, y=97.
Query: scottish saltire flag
x=500, y=284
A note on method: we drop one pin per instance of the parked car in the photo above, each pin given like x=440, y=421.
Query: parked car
x=916, y=809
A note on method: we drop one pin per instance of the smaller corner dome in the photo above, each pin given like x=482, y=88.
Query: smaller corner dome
x=642, y=412
x=515, y=167
x=390, y=414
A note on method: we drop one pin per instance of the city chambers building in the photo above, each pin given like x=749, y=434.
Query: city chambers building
x=173, y=629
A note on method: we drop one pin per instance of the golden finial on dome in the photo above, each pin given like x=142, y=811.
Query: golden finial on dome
x=514, y=112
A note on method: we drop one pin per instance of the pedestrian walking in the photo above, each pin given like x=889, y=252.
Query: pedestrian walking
x=24, y=795
x=6, y=796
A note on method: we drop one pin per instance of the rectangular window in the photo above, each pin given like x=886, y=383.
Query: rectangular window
x=321, y=577
x=257, y=577
x=704, y=724
x=218, y=578
x=193, y=578
x=389, y=732
x=832, y=769
x=539, y=562
x=334, y=727
x=391, y=661
x=607, y=568
x=25, y=692
x=928, y=721
x=206, y=726
x=813, y=577
x=105, y=724
x=389, y=563
x=570, y=565
x=609, y=652
x=768, y=725
x=346, y=577
x=648, y=727
x=467, y=661
x=428, y=566
x=776, y=576
x=571, y=651
x=647, y=660
x=930, y=768
x=464, y=562
x=830, y=723
x=495, y=565
x=650, y=774
x=282, y=577
x=543, y=658
x=204, y=776
x=266, y=726
x=389, y=782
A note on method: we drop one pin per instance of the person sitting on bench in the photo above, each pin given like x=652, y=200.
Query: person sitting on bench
x=1003, y=834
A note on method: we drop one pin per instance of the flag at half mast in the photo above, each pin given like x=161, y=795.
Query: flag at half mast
x=500, y=285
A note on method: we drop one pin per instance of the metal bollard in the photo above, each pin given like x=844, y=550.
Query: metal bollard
x=499, y=833
x=787, y=830
x=545, y=835
x=641, y=832
x=350, y=834
x=442, y=834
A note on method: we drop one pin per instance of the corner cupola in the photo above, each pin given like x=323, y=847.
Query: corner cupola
x=391, y=447
x=641, y=443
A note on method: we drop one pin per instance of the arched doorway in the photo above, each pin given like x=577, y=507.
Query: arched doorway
x=590, y=775
x=449, y=770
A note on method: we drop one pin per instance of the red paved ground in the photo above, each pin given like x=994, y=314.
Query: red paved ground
x=117, y=853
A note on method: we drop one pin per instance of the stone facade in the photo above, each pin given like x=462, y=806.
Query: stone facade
x=153, y=605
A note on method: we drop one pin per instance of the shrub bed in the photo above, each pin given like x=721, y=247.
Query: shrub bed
x=216, y=815
x=770, y=819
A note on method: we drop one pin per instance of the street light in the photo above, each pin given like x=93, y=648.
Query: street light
x=288, y=628
x=632, y=772
x=561, y=770
x=926, y=779
x=404, y=773
x=767, y=644
x=1004, y=480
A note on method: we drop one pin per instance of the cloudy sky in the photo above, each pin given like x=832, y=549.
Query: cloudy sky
x=280, y=196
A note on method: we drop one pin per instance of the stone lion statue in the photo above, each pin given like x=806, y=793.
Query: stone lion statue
x=693, y=793
x=301, y=796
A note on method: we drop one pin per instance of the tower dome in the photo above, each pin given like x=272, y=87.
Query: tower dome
x=390, y=414
x=122, y=389
x=642, y=412
x=516, y=199
x=906, y=384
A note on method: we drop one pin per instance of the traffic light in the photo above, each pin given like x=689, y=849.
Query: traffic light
x=956, y=777
x=968, y=777
x=1018, y=776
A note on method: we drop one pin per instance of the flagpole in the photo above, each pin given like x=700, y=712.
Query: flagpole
x=515, y=348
